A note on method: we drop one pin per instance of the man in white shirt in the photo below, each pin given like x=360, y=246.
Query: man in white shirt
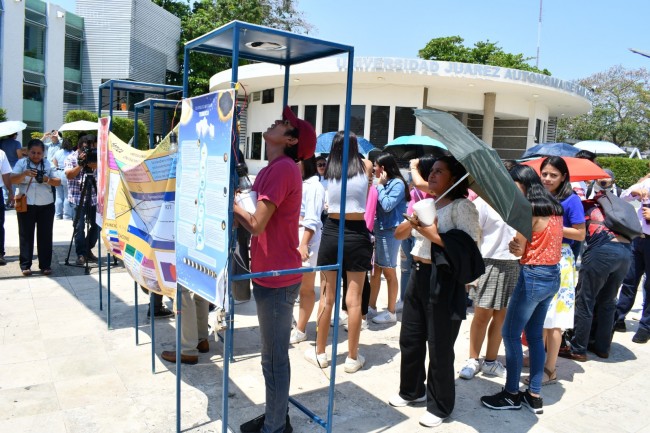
x=5, y=170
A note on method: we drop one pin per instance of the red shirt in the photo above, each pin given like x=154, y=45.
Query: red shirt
x=546, y=246
x=277, y=247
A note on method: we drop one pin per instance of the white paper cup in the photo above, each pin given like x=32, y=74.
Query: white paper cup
x=426, y=211
x=247, y=200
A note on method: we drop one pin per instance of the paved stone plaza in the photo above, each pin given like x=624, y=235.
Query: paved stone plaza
x=62, y=370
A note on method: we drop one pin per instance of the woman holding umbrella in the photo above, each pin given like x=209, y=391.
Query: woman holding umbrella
x=429, y=321
x=36, y=177
x=555, y=178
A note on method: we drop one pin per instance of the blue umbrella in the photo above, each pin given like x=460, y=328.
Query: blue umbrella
x=551, y=149
x=324, y=143
x=422, y=140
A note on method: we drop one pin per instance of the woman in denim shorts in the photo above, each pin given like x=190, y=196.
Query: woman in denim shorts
x=392, y=199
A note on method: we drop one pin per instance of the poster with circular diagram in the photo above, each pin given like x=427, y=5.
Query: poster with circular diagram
x=203, y=193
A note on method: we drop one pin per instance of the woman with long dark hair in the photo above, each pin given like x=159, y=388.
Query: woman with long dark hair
x=560, y=316
x=393, y=194
x=309, y=236
x=35, y=177
x=357, y=249
x=427, y=323
x=539, y=281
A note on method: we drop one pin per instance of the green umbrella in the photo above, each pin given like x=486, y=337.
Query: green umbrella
x=488, y=177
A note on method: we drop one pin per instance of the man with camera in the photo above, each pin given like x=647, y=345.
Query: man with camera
x=80, y=168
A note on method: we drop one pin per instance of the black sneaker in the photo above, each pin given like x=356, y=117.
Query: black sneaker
x=642, y=336
x=535, y=404
x=619, y=326
x=162, y=313
x=255, y=425
x=502, y=401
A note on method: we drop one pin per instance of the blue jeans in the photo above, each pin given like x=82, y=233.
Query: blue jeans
x=274, y=313
x=386, y=247
x=640, y=265
x=406, y=260
x=527, y=308
x=62, y=207
x=603, y=269
x=84, y=242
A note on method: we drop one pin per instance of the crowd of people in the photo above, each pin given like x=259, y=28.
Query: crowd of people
x=44, y=181
x=451, y=245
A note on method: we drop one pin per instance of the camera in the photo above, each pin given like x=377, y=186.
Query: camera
x=603, y=183
x=39, y=176
x=90, y=156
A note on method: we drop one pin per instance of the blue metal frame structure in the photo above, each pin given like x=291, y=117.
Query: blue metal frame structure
x=127, y=86
x=152, y=104
x=244, y=41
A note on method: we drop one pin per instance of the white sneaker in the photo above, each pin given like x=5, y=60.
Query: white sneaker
x=372, y=313
x=494, y=368
x=430, y=420
x=364, y=325
x=343, y=319
x=297, y=336
x=354, y=365
x=470, y=369
x=385, y=317
x=319, y=361
x=397, y=401
x=399, y=306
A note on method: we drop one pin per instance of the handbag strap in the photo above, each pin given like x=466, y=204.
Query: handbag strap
x=28, y=185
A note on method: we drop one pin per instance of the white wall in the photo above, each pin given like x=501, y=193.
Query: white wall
x=12, y=45
x=54, y=67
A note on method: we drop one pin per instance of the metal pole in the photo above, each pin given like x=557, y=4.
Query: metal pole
x=135, y=293
x=539, y=33
x=108, y=283
x=179, y=304
x=186, y=73
x=151, y=120
x=153, y=333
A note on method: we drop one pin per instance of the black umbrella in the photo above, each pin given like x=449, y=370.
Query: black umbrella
x=488, y=177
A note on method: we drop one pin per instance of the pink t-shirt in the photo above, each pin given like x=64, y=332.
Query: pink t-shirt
x=277, y=247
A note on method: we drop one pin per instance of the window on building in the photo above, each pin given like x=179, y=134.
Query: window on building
x=34, y=52
x=358, y=119
x=379, y=118
x=538, y=130
x=310, y=114
x=331, y=118
x=268, y=96
x=294, y=109
x=72, y=58
x=72, y=93
x=256, y=147
x=33, y=95
x=404, y=122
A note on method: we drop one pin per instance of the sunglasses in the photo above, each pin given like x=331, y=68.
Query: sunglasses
x=322, y=164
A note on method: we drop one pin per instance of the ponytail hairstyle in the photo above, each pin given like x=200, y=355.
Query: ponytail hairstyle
x=542, y=201
x=334, y=169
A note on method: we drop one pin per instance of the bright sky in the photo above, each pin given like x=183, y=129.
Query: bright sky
x=578, y=37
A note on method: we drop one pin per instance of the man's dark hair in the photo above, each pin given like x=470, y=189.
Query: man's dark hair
x=586, y=154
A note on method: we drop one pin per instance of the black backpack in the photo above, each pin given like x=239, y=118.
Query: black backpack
x=620, y=216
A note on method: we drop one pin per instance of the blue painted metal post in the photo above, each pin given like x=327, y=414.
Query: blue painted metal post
x=152, y=322
x=108, y=284
x=135, y=295
x=152, y=144
x=186, y=74
x=179, y=305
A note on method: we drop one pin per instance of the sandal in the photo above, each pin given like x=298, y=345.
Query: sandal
x=47, y=271
x=549, y=377
x=27, y=272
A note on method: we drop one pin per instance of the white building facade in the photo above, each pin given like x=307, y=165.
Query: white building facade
x=507, y=108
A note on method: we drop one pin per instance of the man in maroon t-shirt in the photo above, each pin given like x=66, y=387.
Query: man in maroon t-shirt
x=274, y=246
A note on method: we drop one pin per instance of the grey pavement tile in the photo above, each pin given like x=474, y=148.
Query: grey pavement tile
x=27, y=401
x=97, y=389
x=24, y=374
x=21, y=351
x=80, y=365
x=21, y=333
x=64, y=346
x=109, y=416
x=42, y=423
x=12, y=319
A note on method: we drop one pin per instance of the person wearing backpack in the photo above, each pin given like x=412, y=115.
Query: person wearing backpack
x=605, y=262
x=640, y=266
x=606, y=184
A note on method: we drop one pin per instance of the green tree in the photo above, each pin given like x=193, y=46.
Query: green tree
x=451, y=49
x=3, y=114
x=620, y=111
x=207, y=15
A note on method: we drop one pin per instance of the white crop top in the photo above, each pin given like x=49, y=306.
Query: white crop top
x=356, y=194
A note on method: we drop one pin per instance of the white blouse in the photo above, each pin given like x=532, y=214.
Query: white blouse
x=460, y=214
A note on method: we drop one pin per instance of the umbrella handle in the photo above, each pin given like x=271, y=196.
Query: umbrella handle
x=452, y=187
